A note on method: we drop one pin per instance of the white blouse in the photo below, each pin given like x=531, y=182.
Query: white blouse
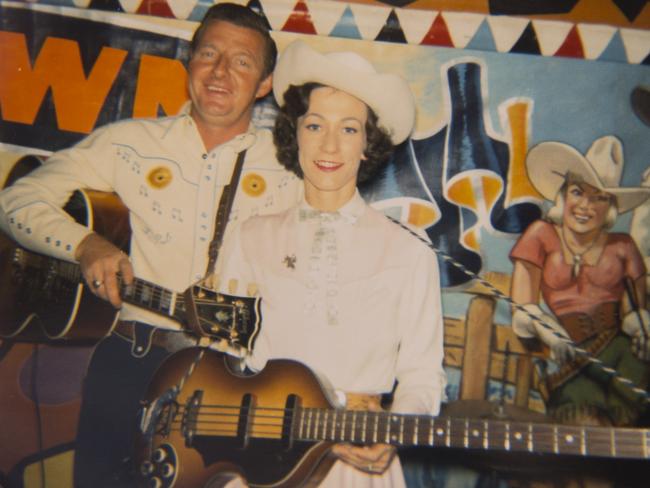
x=349, y=294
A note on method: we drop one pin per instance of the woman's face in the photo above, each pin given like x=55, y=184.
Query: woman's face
x=585, y=208
x=331, y=141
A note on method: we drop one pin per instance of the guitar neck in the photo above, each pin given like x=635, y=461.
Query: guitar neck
x=154, y=298
x=140, y=293
x=464, y=433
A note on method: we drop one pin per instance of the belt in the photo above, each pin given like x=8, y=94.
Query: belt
x=569, y=370
x=582, y=326
x=142, y=336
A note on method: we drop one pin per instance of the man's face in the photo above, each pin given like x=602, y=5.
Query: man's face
x=225, y=76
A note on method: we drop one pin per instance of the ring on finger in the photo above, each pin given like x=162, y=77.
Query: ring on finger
x=97, y=284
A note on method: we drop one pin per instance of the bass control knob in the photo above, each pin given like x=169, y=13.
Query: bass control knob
x=154, y=482
x=167, y=470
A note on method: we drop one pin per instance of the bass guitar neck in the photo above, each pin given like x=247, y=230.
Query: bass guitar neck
x=276, y=427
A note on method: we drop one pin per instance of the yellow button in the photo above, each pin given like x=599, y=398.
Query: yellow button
x=159, y=177
x=253, y=185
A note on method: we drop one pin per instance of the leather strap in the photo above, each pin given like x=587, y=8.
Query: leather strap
x=569, y=370
x=223, y=213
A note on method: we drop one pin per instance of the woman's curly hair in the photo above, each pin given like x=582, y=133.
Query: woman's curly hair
x=296, y=103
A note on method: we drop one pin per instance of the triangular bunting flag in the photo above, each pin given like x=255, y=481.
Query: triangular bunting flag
x=181, y=8
x=370, y=19
x=595, y=38
x=277, y=12
x=615, y=51
x=482, y=40
x=438, y=34
x=551, y=35
x=326, y=15
x=462, y=26
x=415, y=23
x=346, y=26
x=113, y=5
x=85, y=3
x=527, y=43
x=159, y=8
x=637, y=44
x=630, y=8
x=506, y=31
x=392, y=30
x=646, y=61
x=300, y=20
x=257, y=7
x=198, y=12
x=572, y=46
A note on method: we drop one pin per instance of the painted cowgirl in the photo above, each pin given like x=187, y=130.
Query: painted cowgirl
x=588, y=277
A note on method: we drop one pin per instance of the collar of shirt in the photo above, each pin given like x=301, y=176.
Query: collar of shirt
x=350, y=212
x=238, y=143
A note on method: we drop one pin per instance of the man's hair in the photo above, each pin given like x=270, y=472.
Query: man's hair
x=296, y=103
x=242, y=17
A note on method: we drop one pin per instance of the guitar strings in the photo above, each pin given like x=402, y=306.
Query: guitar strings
x=225, y=420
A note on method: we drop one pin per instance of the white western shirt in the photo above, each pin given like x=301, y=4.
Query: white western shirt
x=170, y=185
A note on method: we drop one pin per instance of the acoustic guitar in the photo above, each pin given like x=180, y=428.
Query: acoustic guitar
x=276, y=428
x=45, y=298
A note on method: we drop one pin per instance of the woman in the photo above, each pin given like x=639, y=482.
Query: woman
x=345, y=291
x=583, y=273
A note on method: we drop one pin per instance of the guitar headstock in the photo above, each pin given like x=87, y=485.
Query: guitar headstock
x=236, y=319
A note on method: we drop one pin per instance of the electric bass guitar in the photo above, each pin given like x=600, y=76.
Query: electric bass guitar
x=276, y=428
x=44, y=298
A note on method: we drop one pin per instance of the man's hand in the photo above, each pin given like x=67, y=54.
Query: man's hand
x=100, y=262
x=373, y=459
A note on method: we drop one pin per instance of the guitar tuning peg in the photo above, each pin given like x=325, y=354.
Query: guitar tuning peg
x=232, y=286
x=252, y=289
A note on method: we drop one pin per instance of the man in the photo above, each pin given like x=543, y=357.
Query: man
x=170, y=174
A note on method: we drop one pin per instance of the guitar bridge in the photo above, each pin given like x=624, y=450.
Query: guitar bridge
x=190, y=417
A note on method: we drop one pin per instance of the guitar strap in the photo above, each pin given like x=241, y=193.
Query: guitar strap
x=223, y=213
x=221, y=221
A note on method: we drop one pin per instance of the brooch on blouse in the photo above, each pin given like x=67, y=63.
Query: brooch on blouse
x=290, y=261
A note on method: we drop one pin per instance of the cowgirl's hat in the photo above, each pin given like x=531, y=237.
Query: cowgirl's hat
x=549, y=163
x=388, y=95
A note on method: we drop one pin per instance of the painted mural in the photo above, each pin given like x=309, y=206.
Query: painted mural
x=495, y=94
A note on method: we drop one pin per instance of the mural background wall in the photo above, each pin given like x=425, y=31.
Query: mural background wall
x=492, y=79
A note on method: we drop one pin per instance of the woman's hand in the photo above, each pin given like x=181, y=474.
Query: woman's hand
x=530, y=321
x=636, y=324
x=373, y=459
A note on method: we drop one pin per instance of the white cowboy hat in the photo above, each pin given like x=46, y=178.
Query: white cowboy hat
x=549, y=163
x=387, y=94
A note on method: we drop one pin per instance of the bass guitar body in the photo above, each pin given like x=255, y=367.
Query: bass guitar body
x=44, y=299
x=241, y=424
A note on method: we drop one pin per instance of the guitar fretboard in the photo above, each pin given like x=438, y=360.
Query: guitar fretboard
x=152, y=297
x=418, y=430
x=141, y=292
